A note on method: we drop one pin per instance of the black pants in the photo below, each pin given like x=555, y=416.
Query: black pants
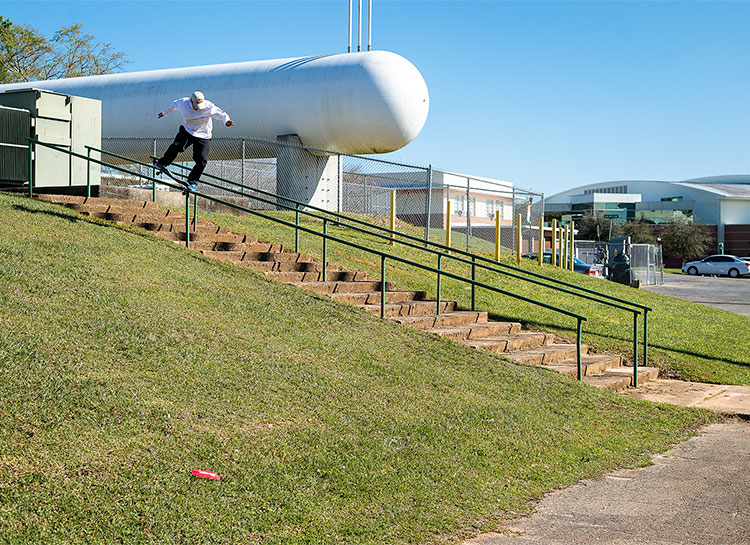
x=183, y=141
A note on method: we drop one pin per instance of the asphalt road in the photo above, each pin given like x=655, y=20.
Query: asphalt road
x=732, y=294
x=698, y=493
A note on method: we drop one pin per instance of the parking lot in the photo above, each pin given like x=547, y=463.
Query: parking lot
x=732, y=294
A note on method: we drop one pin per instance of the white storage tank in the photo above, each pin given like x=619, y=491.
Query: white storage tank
x=367, y=102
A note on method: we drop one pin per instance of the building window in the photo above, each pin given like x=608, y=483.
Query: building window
x=459, y=204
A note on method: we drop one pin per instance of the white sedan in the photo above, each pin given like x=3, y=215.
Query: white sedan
x=719, y=265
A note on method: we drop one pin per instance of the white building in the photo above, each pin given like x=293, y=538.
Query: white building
x=723, y=201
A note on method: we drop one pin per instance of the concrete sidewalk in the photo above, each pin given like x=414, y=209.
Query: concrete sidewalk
x=732, y=400
x=698, y=493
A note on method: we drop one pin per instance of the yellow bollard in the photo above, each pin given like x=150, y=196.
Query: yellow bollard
x=540, y=246
x=518, y=239
x=448, y=223
x=562, y=247
x=497, y=235
x=572, y=245
x=553, y=258
x=393, y=216
x=565, y=245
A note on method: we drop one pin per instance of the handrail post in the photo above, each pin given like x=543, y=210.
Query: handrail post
x=88, y=172
x=473, y=282
x=645, y=337
x=31, y=168
x=296, y=228
x=187, y=219
x=382, y=286
x=325, y=250
x=195, y=213
x=635, y=349
x=439, y=267
x=579, y=363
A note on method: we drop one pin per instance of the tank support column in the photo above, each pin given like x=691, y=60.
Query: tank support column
x=305, y=177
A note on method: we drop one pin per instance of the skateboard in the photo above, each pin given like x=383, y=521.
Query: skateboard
x=185, y=188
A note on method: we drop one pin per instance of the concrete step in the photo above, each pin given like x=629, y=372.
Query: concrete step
x=179, y=236
x=590, y=365
x=244, y=246
x=97, y=201
x=553, y=353
x=477, y=331
x=448, y=319
x=360, y=286
x=414, y=308
x=373, y=297
x=511, y=343
x=257, y=252
x=285, y=266
x=621, y=378
x=333, y=276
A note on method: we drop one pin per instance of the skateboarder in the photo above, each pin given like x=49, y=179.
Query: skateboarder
x=197, y=114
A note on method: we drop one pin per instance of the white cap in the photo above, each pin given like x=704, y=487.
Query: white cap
x=197, y=100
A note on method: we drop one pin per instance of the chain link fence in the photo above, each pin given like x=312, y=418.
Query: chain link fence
x=646, y=264
x=354, y=185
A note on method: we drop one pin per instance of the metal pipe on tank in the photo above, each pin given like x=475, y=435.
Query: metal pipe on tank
x=359, y=32
x=349, y=42
x=369, y=25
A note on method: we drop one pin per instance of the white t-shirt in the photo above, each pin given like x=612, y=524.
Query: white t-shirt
x=197, y=122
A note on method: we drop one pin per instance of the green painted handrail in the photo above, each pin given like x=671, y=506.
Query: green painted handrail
x=326, y=237
x=439, y=250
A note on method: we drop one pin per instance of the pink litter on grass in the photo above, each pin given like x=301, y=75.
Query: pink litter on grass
x=205, y=474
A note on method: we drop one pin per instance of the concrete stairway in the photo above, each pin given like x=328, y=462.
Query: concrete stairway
x=410, y=308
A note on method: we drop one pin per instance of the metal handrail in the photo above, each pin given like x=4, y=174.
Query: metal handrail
x=486, y=263
x=326, y=237
x=439, y=250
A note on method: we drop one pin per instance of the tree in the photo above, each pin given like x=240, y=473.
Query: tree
x=684, y=240
x=592, y=227
x=640, y=232
x=26, y=55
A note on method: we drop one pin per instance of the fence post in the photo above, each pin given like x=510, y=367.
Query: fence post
x=88, y=172
x=553, y=247
x=572, y=244
x=497, y=235
x=31, y=168
x=428, y=204
x=540, y=245
x=440, y=269
x=448, y=222
x=242, y=168
x=393, y=216
x=518, y=239
x=635, y=349
x=153, y=176
x=468, y=213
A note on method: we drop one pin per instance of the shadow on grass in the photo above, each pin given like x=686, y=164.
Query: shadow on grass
x=571, y=332
x=70, y=216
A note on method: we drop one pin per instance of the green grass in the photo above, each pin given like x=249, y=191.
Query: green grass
x=686, y=340
x=126, y=361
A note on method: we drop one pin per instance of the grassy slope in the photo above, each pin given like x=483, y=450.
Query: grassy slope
x=126, y=361
x=687, y=340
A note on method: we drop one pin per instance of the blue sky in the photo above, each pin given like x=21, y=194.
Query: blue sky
x=549, y=95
